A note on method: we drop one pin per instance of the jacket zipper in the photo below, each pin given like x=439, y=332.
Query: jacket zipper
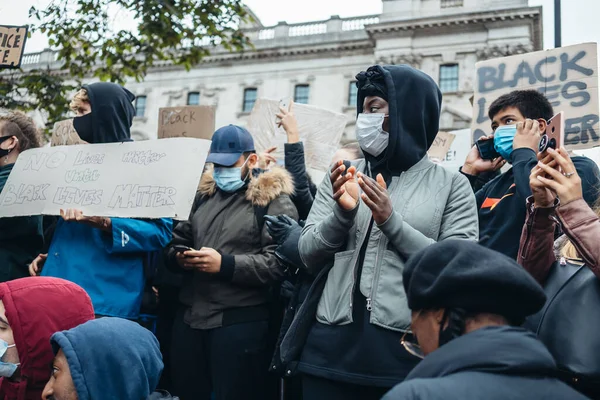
x=377, y=268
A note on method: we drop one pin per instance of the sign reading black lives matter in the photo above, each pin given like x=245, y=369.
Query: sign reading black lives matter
x=568, y=76
x=12, y=44
x=147, y=179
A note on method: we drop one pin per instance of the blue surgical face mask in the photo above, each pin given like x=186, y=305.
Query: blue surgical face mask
x=229, y=179
x=7, y=370
x=503, y=141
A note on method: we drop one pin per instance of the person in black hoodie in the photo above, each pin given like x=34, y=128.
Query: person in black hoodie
x=467, y=305
x=501, y=201
x=91, y=251
x=407, y=203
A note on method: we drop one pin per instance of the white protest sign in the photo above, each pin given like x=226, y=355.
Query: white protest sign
x=320, y=130
x=460, y=147
x=148, y=179
x=568, y=76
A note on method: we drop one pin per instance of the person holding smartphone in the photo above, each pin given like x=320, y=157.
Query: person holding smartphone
x=220, y=333
x=518, y=121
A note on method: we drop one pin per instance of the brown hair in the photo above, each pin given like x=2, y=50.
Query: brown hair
x=23, y=128
x=80, y=97
x=568, y=250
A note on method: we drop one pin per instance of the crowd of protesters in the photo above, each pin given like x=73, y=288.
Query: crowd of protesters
x=394, y=278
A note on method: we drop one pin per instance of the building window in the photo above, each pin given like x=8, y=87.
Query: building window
x=352, y=94
x=249, y=99
x=452, y=3
x=301, y=94
x=449, y=78
x=193, y=98
x=140, y=106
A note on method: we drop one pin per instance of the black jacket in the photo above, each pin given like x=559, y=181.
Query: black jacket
x=226, y=222
x=305, y=190
x=494, y=363
x=21, y=239
x=501, y=203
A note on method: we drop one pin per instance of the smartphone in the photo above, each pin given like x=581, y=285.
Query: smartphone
x=486, y=149
x=554, y=136
x=285, y=103
x=179, y=248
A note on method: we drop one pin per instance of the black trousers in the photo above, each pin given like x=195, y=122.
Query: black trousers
x=314, y=388
x=231, y=361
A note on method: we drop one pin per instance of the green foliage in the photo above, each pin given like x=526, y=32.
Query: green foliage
x=180, y=32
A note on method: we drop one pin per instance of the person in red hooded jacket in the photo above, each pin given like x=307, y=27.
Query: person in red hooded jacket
x=31, y=311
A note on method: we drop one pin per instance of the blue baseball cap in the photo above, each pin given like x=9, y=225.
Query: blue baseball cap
x=228, y=144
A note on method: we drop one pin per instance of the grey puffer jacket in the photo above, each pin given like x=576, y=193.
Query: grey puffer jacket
x=430, y=204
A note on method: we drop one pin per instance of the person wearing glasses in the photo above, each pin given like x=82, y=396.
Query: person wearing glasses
x=468, y=303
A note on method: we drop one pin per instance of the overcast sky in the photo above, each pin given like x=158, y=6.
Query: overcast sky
x=580, y=17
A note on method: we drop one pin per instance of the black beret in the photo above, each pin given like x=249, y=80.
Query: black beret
x=463, y=274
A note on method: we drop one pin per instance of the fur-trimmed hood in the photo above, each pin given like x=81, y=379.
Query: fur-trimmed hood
x=260, y=191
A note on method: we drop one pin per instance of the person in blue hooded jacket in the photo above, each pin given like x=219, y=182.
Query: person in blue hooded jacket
x=107, y=358
x=105, y=256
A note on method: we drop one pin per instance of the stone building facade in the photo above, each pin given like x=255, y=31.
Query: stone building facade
x=316, y=62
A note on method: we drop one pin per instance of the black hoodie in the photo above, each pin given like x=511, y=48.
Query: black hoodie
x=415, y=103
x=489, y=363
x=362, y=353
x=112, y=112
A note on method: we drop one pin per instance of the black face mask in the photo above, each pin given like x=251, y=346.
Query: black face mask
x=84, y=127
x=4, y=153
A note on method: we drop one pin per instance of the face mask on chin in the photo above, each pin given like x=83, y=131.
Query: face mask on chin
x=229, y=179
x=370, y=134
x=84, y=127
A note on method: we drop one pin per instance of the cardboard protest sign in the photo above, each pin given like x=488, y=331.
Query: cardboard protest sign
x=320, y=130
x=458, y=151
x=147, y=179
x=64, y=134
x=189, y=121
x=568, y=76
x=441, y=145
x=12, y=44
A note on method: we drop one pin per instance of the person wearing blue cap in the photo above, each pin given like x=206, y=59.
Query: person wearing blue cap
x=229, y=262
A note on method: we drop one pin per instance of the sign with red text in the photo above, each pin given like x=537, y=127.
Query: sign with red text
x=568, y=76
x=12, y=45
x=146, y=179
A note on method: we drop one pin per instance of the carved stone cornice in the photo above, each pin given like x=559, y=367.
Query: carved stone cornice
x=414, y=60
x=503, y=51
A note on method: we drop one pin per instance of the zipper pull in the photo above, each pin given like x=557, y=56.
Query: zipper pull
x=369, y=307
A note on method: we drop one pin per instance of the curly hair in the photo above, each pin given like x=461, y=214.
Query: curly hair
x=78, y=99
x=20, y=125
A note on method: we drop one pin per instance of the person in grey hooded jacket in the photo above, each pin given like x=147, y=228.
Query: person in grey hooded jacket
x=369, y=216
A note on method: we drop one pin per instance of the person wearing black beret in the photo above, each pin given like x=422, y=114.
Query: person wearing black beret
x=467, y=305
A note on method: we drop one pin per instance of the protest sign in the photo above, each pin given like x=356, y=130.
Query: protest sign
x=458, y=151
x=568, y=76
x=441, y=145
x=320, y=130
x=64, y=134
x=12, y=44
x=148, y=179
x=189, y=121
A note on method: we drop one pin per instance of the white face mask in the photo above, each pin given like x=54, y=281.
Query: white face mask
x=370, y=134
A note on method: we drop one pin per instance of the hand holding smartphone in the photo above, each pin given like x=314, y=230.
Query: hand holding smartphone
x=179, y=248
x=486, y=149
